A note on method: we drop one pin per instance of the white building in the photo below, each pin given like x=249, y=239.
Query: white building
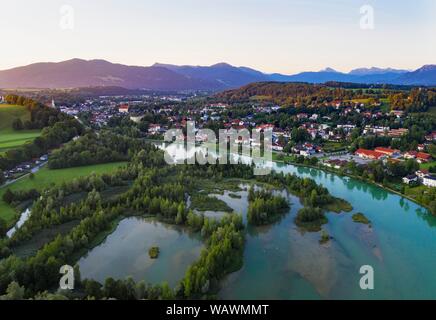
x=429, y=181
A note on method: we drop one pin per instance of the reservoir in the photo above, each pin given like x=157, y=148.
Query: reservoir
x=125, y=253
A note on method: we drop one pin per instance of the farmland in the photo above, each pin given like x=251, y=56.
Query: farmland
x=9, y=138
x=45, y=178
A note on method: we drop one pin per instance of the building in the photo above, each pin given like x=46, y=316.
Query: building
x=335, y=163
x=429, y=181
x=277, y=147
x=124, y=108
x=136, y=119
x=411, y=179
x=154, y=128
x=388, y=151
x=421, y=173
x=410, y=155
x=369, y=154
x=265, y=127
x=431, y=136
x=423, y=157
x=397, y=133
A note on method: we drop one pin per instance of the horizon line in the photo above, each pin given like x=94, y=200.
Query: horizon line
x=220, y=62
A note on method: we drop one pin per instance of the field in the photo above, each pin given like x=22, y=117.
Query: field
x=10, y=138
x=427, y=165
x=45, y=178
x=332, y=146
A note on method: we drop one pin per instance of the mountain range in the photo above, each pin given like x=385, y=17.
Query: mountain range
x=86, y=73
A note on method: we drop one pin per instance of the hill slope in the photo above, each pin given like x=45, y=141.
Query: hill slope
x=82, y=73
x=10, y=138
x=166, y=77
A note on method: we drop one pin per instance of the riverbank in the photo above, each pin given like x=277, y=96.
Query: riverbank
x=341, y=174
x=288, y=160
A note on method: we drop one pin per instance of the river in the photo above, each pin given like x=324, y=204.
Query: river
x=281, y=262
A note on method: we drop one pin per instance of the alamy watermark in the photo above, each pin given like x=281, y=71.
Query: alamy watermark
x=234, y=147
x=67, y=280
x=367, y=19
x=367, y=280
x=67, y=17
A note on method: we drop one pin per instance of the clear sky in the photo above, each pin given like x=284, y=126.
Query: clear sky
x=284, y=36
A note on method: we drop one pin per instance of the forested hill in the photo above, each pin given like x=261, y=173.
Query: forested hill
x=304, y=94
x=280, y=92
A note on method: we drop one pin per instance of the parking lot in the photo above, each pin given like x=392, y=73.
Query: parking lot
x=350, y=157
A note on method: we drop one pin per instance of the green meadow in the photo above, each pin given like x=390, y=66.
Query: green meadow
x=45, y=178
x=9, y=138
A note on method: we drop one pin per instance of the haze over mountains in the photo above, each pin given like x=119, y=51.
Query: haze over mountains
x=221, y=76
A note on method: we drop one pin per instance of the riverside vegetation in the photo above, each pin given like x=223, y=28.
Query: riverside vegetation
x=149, y=187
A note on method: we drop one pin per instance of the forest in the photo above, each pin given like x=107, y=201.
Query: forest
x=154, y=189
x=303, y=94
x=93, y=148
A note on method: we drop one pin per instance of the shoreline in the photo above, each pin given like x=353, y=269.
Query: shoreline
x=332, y=171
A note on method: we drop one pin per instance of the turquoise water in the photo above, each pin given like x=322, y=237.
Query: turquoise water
x=125, y=253
x=280, y=262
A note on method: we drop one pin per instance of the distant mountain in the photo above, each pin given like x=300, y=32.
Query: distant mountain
x=223, y=74
x=375, y=70
x=328, y=69
x=82, y=73
x=423, y=76
x=166, y=77
x=369, y=76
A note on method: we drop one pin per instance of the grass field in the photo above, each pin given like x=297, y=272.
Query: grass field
x=45, y=178
x=427, y=165
x=10, y=138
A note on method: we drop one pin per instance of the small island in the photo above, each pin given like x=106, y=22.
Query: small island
x=264, y=207
x=360, y=218
x=153, y=252
x=325, y=237
x=310, y=219
x=203, y=203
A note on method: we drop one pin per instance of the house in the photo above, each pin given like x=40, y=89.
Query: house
x=302, y=116
x=277, y=147
x=124, y=108
x=388, y=151
x=369, y=154
x=431, y=136
x=397, y=113
x=265, y=127
x=136, y=119
x=154, y=128
x=429, y=181
x=422, y=157
x=410, y=155
x=421, y=173
x=335, y=163
x=411, y=179
x=397, y=133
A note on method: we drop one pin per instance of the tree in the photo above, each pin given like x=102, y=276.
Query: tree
x=2, y=177
x=17, y=124
x=13, y=292
x=8, y=196
x=3, y=227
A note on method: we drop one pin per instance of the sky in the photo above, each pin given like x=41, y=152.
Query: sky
x=285, y=36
